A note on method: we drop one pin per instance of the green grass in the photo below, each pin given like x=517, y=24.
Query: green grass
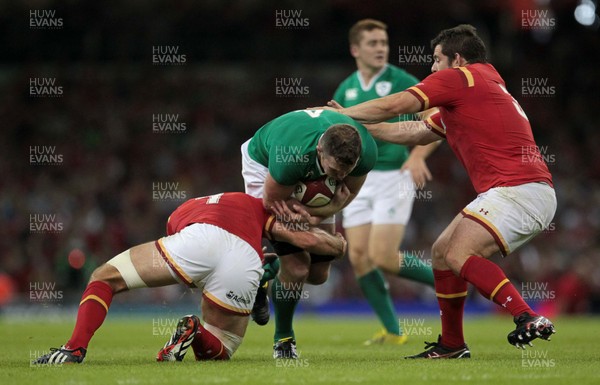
x=122, y=352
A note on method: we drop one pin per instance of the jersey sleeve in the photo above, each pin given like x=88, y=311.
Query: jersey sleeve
x=282, y=171
x=435, y=124
x=443, y=88
x=339, y=95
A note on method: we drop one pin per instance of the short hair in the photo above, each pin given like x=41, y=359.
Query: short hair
x=364, y=25
x=463, y=40
x=343, y=143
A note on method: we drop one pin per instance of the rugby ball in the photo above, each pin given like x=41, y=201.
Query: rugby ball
x=315, y=193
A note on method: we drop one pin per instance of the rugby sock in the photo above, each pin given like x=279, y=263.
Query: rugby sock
x=373, y=287
x=416, y=270
x=93, y=308
x=208, y=347
x=271, y=270
x=451, y=292
x=284, y=303
x=492, y=283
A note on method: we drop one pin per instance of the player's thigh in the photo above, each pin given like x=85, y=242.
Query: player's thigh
x=469, y=238
x=141, y=266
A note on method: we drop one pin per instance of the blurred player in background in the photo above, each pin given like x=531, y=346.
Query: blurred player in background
x=490, y=134
x=212, y=243
x=303, y=145
x=375, y=220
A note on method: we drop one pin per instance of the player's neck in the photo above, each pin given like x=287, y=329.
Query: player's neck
x=368, y=73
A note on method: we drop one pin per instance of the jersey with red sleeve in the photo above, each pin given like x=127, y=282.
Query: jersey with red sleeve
x=484, y=125
x=238, y=213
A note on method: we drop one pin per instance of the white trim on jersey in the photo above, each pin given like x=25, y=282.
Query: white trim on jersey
x=367, y=87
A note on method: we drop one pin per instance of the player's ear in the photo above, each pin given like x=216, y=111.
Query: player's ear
x=354, y=50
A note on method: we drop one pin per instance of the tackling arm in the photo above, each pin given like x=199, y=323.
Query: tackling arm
x=408, y=133
x=314, y=240
x=382, y=109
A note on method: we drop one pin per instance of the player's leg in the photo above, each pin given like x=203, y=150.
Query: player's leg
x=228, y=295
x=372, y=284
x=358, y=216
x=510, y=216
x=286, y=292
x=451, y=293
x=392, y=207
x=134, y=268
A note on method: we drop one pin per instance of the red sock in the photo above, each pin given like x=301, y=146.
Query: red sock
x=491, y=282
x=208, y=347
x=93, y=307
x=451, y=292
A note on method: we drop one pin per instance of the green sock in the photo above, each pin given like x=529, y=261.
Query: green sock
x=284, y=303
x=373, y=287
x=271, y=270
x=416, y=270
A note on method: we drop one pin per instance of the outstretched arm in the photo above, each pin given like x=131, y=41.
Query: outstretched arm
x=382, y=109
x=409, y=133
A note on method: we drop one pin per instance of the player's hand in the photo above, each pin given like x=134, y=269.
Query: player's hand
x=268, y=255
x=344, y=245
x=418, y=170
x=342, y=193
x=335, y=105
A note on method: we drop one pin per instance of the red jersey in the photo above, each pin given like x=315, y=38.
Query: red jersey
x=238, y=213
x=485, y=126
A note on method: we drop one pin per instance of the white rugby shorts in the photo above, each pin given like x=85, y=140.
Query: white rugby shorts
x=386, y=197
x=225, y=267
x=513, y=215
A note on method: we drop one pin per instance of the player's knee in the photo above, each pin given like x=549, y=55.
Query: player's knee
x=318, y=277
x=438, y=251
x=454, y=261
x=110, y=276
x=294, y=273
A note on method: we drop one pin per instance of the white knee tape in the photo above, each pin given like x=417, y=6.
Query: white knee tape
x=122, y=262
x=230, y=341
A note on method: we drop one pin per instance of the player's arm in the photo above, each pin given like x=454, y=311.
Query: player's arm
x=416, y=163
x=314, y=240
x=274, y=191
x=382, y=109
x=411, y=133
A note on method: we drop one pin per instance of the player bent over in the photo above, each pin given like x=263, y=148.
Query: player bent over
x=212, y=243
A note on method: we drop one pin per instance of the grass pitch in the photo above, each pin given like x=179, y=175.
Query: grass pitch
x=331, y=352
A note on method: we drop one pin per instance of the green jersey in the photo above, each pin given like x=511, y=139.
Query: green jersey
x=390, y=80
x=287, y=145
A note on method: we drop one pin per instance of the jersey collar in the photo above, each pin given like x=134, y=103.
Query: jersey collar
x=367, y=87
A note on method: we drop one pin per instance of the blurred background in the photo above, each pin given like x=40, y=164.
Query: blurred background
x=114, y=113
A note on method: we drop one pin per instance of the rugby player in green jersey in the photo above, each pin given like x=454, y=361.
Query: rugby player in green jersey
x=298, y=146
x=375, y=221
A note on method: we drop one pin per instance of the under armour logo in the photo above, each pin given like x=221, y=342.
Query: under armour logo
x=485, y=212
x=508, y=299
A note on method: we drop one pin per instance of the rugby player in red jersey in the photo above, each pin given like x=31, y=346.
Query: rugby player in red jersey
x=491, y=136
x=212, y=243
